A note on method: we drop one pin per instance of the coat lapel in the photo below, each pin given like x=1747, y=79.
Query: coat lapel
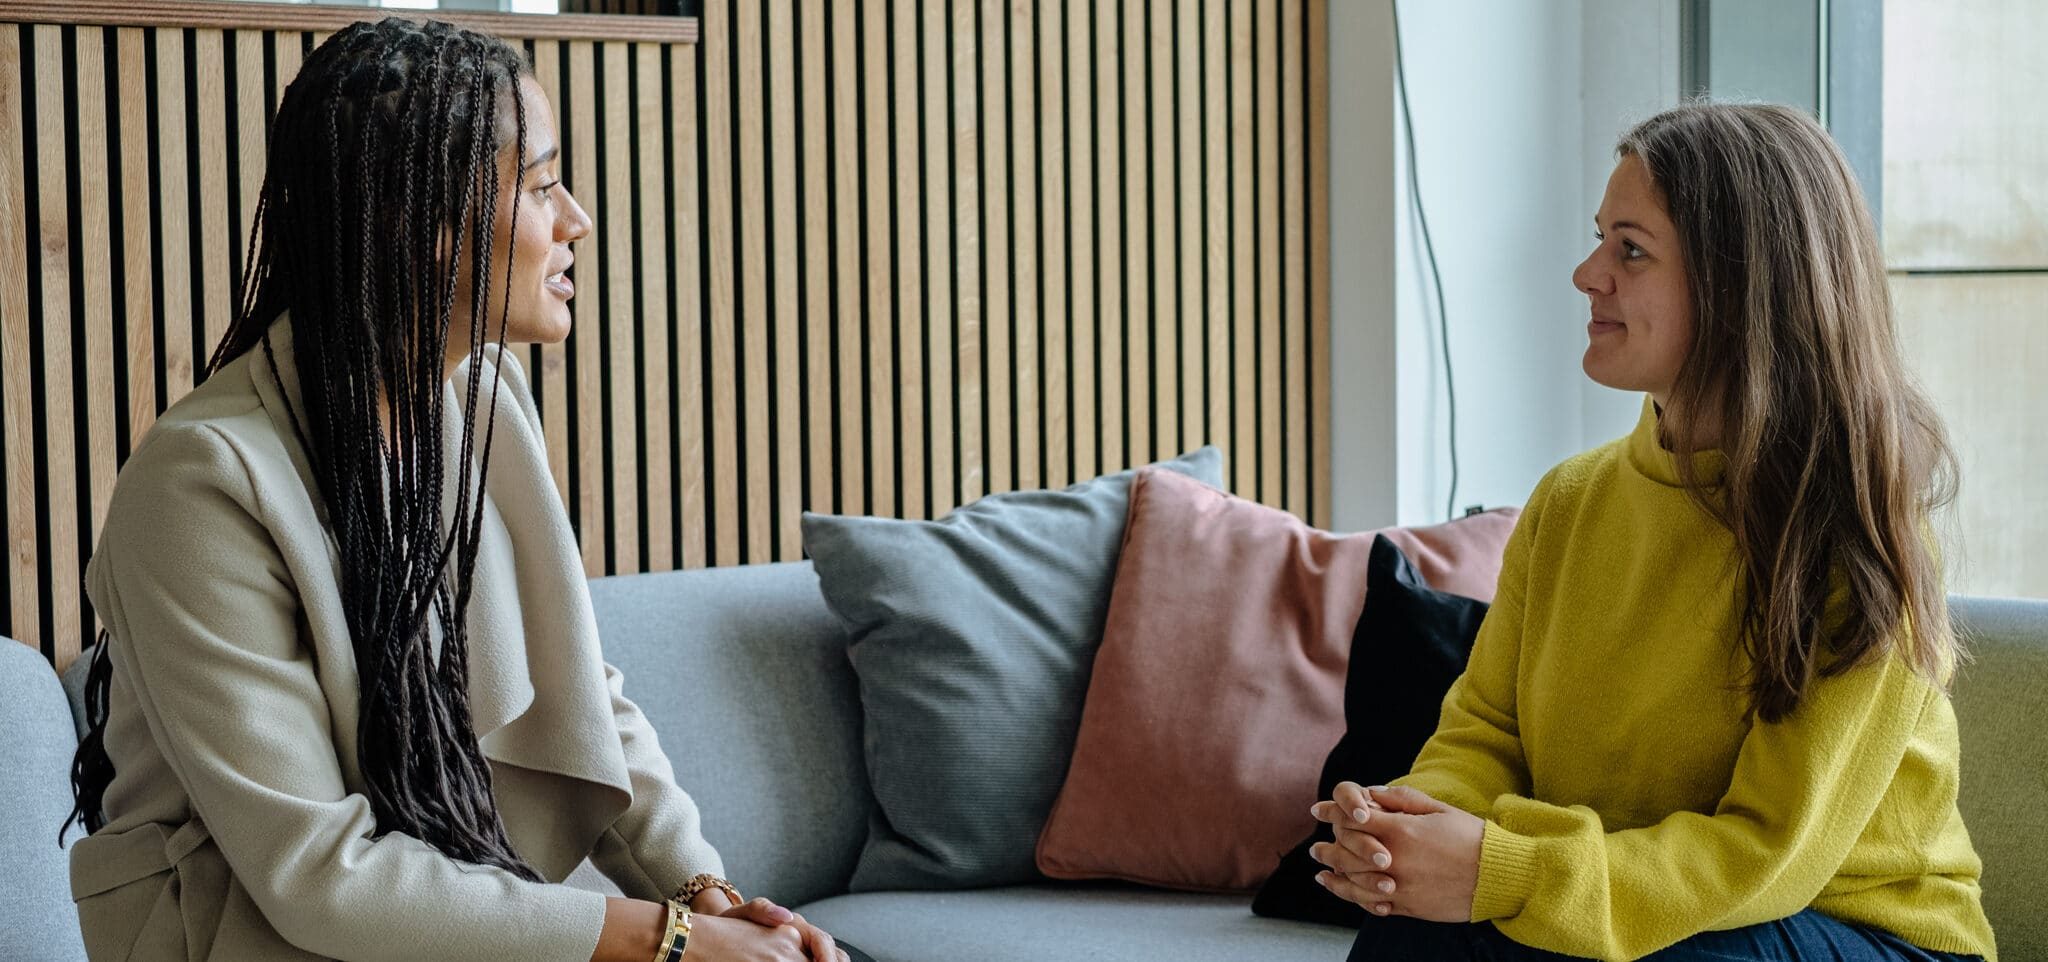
x=538, y=695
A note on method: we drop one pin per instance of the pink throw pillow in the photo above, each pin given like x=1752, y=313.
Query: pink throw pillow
x=1219, y=687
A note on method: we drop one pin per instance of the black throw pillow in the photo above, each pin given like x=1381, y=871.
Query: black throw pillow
x=1410, y=645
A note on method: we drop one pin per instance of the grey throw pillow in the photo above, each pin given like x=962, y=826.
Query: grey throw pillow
x=973, y=637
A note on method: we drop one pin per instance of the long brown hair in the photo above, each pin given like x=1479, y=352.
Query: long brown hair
x=1835, y=459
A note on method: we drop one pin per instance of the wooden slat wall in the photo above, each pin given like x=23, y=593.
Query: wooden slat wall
x=880, y=258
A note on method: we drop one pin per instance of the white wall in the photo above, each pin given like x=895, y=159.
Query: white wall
x=1516, y=109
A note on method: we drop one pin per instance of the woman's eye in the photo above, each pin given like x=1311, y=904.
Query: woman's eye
x=544, y=189
x=1631, y=250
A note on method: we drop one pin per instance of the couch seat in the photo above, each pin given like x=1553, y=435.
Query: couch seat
x=1070, y=923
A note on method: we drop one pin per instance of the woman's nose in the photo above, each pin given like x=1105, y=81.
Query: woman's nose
x=576, y=225
x=1590, y=279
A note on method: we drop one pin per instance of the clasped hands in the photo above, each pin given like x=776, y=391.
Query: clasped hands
x=1400, y=852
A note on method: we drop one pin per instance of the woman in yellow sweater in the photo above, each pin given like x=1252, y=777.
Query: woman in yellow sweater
x=1706, y=717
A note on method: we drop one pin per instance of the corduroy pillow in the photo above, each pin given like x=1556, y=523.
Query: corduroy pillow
x=1219, y=687
x=972, y=637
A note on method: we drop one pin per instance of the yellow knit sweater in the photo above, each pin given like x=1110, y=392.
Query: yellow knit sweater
x=1600, y=731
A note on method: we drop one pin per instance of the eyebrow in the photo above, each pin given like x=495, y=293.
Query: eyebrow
x=1632, y=225
x=545, y=156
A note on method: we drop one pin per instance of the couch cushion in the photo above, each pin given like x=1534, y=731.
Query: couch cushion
x=743, y=674
x=2001, y=699
x=37, y=919
x=1219, y=686
x=973, y=637
x=1080, y=921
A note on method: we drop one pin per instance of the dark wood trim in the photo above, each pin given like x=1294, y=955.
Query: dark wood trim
x=219, y=14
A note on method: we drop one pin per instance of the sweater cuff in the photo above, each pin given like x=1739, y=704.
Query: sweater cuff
x=1507, y=871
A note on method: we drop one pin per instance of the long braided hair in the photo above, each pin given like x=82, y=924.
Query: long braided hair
x=383, y=174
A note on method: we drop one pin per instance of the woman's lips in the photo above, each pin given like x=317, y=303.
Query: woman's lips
x=561, y=284
x=1601, y=325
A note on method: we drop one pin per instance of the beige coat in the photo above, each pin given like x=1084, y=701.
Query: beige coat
x=237, y=825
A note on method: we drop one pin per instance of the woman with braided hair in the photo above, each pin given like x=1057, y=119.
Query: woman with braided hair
x=350, y=702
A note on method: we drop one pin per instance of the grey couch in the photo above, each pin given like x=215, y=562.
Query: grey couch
x=744, y=673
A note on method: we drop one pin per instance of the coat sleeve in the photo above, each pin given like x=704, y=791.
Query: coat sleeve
x=1803, y=791
x=1475, y=755
x=204, y=621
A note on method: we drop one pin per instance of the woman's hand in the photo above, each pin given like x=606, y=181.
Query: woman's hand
x=1431, y=852
x=818, y=946
x=733, y=938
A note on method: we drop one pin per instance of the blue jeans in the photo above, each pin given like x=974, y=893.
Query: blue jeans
x=1806, y=937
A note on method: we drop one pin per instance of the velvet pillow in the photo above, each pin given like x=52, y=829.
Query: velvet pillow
x=1412, y=643
x=1219, y=684
x=972, y=637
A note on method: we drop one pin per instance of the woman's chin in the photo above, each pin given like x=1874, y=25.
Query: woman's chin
x=551, y=328
x=1605, y=373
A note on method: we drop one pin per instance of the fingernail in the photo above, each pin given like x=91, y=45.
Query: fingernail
x=1358, y=815
x=1380, y=859
x=1379, y=788
x=1386, y=886
x=1316, y=810
x=1323, y=879
x=1380, y=909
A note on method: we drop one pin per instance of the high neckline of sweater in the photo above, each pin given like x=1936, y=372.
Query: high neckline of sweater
x=1647, y=454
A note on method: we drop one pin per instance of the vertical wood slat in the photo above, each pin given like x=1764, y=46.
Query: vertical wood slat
x=1293, y=280
x=1138, y=318
x=994, y=99
x=252, y=137
x=968, y=239
x=96, y=263
x=17, y=353
x=720, y=205
x=1269, y=317
x=1112, y=397
x=688, y=215
x=1187, y=80
x=845, y=190
x=657, y=498
x=58, y=494
x=177, y=265
x=1217, y=235
x=1082, y=236
x=289, y=45
x=1244, y=315
x=755, y=326
x=969, y=246
x=787, y=359
x=883, y=426
x=934, y=28
x=910, y=281
x=936, y=203
x=138, y=233
x=1165, y=238
x=1036, y=242
x=1321, y=371
x=1052, y=321
x=215, y=268
x=816, y=309
x=622, y=453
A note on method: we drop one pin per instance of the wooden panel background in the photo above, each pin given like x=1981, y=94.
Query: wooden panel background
x=880, y=258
